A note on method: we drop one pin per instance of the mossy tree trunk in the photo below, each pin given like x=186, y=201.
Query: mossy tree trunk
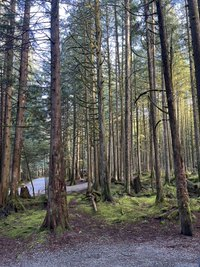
x=179, y=169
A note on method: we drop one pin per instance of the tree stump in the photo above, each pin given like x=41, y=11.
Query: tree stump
x=24, y=192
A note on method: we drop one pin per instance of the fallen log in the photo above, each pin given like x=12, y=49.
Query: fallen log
x=92, y=197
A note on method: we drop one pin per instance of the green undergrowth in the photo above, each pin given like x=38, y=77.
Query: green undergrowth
x=130, y=209
x=123, y=209
x=193, y=178
x=22, y=224
x=137, y=207
x=26, y=222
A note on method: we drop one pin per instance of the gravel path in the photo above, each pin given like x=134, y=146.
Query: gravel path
x=147, y=254
x=41, y=183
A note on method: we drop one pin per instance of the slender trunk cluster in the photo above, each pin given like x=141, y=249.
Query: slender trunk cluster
x=22, y=95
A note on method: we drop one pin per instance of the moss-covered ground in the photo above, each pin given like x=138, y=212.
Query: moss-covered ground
x=139, y=207
x=123, y=209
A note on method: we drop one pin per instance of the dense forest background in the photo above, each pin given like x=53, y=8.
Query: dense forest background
x=112, y=87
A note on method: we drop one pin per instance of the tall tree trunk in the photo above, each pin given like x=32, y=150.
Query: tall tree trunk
x=152, y=84
x=77, y=165
x=103, y=170
x=165, y=139
x=137, y=180
x=21, y=100
x=195, y=31
x=73, y=177
x=194, y=100
x=1, y=123
x=181, y=183
x=87, y=123
x=127, y=158
x=66, y=141
x=122, y=134
x=117, y=85
x=119, y=92
x=57, y=214
x=5, y=167
x=89, y=172
x=110, y=98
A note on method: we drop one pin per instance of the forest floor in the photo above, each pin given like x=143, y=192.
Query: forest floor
x=94, y=242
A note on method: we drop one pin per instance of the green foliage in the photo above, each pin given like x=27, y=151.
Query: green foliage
x=138, y=208
x=77, y=197
x=170, y=191
x=193, y=178
x=35, y=203
x=132, y=209
x=195, y=204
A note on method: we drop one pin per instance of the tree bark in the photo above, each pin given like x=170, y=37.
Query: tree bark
x=6, y=147
x=152, y=84
x=73, y=177
x=127, y=158
x=117, y=85
x=21, y=100
x=181, y=183
x=103, y=170
x=56, y=218
x=165, y=139
x=194, y=100
x=195, y=31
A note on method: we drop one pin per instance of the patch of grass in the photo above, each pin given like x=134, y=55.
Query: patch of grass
x=37, y=202
x=169, y=191
x=117, y=189
x=136, y=208
x=193, y=178
x=75, y=197
x=129, y=209
x=123, y=209
x=22, y=225
x=195, y=204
